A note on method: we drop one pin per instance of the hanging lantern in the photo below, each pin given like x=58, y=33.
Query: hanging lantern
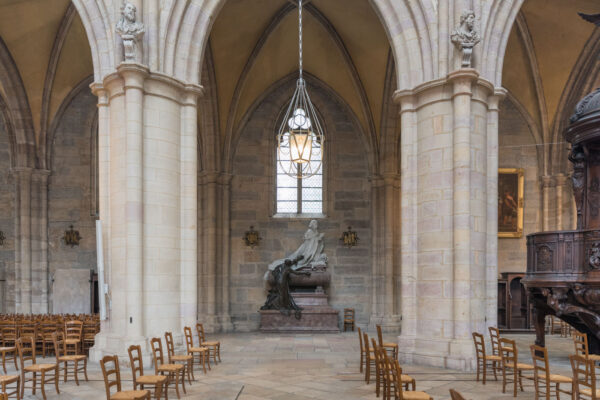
x=300, y=137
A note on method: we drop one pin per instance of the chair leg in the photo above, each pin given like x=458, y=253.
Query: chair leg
x=484, y=370
x=361, y=361
x=177, y=385
x=66, y=366
x=478, y=366
x=76, y=367
x=43, y=386
x=85, y=370
x=4, y=362
x=191, y=370
x=183, y=380
x=34, y=382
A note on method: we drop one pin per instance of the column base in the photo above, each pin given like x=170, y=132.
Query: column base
x=213, y=323
x=108, y=344
x=456, y=354
x=389, y=323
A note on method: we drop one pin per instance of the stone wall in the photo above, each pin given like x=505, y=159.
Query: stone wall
x=71, y=202
x=347, y=201
x=517, y=150
x=7, y=224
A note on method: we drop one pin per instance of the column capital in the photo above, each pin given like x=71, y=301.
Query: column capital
x=561, y=179
x=547, y=181
x=494, y=99
x=134, y=74
x=462, y=81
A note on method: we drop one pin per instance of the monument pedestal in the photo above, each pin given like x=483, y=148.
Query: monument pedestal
x=317, y=316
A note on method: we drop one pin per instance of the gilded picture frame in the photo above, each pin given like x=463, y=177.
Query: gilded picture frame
x=511, y=182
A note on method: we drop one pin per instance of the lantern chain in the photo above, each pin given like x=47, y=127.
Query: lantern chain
x=300, y=35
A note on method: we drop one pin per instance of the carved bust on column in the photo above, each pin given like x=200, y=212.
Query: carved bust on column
x=465, y=37
x=130, y=31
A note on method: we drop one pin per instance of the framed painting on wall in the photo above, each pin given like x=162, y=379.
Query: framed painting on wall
x=510, y=202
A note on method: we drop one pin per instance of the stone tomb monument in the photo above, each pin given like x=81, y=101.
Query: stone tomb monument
x=297, y=301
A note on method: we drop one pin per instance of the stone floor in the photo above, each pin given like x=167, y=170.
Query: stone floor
x=295, y=367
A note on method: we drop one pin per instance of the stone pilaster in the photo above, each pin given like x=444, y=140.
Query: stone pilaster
x=447, y=132
x=23, y=240
x=147, y=176
x=386, y=269
x=213, y=279
x=39, y=242
x=547, y=184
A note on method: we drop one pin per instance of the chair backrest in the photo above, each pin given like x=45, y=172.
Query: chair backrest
x=479, y=345
x=494, y=338
x=508, y=352
x=9, y=331
x=541, y=371
x=580, y=341
x=584, y=374
x=135, y=359
x=189, y=339
x=396, y=376
x=157, y=353
x=56, y=341
x=26, y=350
x=170, y=345
x=360, y=339
x=108, y=370
x=377, y=355
x=28, y=329
x=366, y=344
x=349, y=314
x=73, y=329
x=454, y=395
x=47, y=330
x=89, y=329
x=200, y=331
x=379, y=335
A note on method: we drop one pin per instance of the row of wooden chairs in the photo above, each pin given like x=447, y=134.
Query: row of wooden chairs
x=170, y=369
x=504, y=357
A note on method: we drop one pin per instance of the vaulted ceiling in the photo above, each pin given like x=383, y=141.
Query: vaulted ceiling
x=255, y=43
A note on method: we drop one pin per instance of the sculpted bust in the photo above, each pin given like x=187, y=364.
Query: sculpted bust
x=129, y=30
x=465, y=36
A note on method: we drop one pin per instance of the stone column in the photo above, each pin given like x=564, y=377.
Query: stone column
x=23, y=240
x=561, y=186
x=39, y=242
x=547, y=183
x=148, y=198
x=446, y=133
x=492, y=208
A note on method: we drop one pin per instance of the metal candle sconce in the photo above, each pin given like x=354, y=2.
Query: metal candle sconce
x=72, y=237
x=350, y=238
x=252, y=238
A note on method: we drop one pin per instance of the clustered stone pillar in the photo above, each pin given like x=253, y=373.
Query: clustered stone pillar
x=448, y=129
x=31, y=261
x=148, y=190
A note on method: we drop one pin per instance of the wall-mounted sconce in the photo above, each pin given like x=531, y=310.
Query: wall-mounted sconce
x=252, y=238
x=2, y=238
x=72, y=237
x=349, y=238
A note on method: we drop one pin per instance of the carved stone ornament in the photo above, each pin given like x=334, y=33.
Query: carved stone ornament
x=72, y=237
x=252, y=238
x=577, y=157
x=2, y=238
x=130, y=31
x=465, y=37
x=594, y=255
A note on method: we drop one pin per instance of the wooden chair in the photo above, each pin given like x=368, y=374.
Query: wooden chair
x=348, y=319
x=511, y=367
x=90, y=329
x=580, y=341
x=214, y=346
x=395, y=371
x=388, y=346
x=201, y=352
x=454, y=395
x=482, y=359
x=109, y=382
x=137, y=372
x=174, y=372
x=185, y=359
x=363, y=352
x=26, y=349
x=584, y=378
x=65, y=360
x=382, y=379
x=495, y=340
x=543, y=379
x=46, y=331
x=73, y=333
x=5, y=381
x=369, y=358
x=9, y=336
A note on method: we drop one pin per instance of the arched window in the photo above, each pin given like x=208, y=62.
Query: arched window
x=295, y=195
